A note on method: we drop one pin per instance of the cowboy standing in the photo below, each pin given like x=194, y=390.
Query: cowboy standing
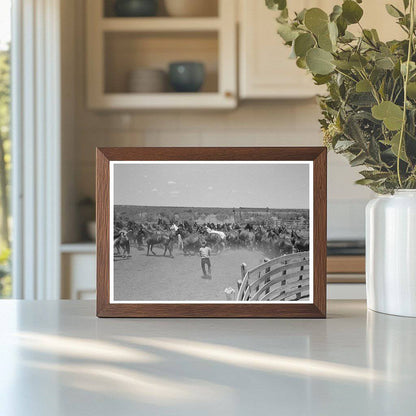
x=205, y=254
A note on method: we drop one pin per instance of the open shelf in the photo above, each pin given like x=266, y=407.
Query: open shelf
x=116, y=46
x=127, y=51
x=160, y=24
x=130, y=101
x=211, y=9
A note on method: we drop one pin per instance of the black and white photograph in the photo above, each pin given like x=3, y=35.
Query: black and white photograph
x=210, y=231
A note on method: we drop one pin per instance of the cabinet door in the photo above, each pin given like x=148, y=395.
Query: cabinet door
x=116, y=46
x=265, y=68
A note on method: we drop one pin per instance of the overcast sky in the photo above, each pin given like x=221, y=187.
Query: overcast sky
x=212, y=185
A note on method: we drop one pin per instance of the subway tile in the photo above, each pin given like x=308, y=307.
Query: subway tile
x=144, y=120
x=202, y=120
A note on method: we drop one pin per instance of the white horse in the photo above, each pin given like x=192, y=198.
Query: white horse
x=220, y=233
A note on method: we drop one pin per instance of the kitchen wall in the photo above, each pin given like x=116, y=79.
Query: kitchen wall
x=255, y=123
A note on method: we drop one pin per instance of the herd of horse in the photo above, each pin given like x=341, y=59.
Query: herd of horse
x=188, y=237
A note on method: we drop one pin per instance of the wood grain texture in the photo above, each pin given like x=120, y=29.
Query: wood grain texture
x=317, y=309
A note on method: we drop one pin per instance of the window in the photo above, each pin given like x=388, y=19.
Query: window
x=5, y=147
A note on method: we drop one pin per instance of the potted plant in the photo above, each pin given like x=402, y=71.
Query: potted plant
x=368, y=116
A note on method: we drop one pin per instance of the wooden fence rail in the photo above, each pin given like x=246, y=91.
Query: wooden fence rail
x=281, y=279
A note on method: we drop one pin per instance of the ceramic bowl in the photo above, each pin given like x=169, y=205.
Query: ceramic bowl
x=186, y=76
x=147, y=80
x=136, y=8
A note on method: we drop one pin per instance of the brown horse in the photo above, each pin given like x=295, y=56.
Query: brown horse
x=122, y=242
x=190, y=241
x=162, y=238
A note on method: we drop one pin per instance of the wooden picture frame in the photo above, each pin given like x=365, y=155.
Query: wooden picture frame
x=315, y=308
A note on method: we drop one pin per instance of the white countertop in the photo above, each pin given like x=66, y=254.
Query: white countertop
x=57, y=359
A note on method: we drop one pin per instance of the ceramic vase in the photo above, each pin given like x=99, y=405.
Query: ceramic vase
x=391, y=253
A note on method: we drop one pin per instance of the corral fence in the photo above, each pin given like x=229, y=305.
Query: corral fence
x=284, y=278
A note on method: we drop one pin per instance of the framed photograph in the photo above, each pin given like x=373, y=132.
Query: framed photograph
x=211, y=232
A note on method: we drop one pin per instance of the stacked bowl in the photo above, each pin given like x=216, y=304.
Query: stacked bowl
x=147, y=80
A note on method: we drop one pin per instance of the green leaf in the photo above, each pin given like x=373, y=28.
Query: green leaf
x=393, y=11
x=342, y=25
x=348, y=37
x=286, y=32
x=333, y=32
x=394, y=144
x=300, y=17
x=284, y=14
x=358, y=61
x=325, y=43
x=364, y=182
x=327, y=40
x=361, y=99
x=303, y=43
x=351, y=11
x=391, y=114
x=368, y=36
x=354, y=131
x=319, y=61
x=374, y=150
x=343, y=65
x=412, y=67
x=343, y=145
x=336, y=12
x=374, y=175
x=316, y=20
x=358, y=160
x=377, y=75
x=301, y=63
x=363, y=86
x=321, y=79
x=385, y=63
x=411, y=90
x=375, y=35
x=276, y=4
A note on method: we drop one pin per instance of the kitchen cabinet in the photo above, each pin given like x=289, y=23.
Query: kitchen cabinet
x=265, y=70
x=116, y=46
x=78, y=263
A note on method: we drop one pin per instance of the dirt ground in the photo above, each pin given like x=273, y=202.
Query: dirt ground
x=142, y=277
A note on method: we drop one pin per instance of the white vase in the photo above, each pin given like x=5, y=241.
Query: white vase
x=391, y=253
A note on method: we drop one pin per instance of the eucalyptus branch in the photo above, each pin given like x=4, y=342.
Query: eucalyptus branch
x=398, y=95
x=392, y=90
x=373, y=89
x=364, y=110
x=346, y=75
x=406, y=80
